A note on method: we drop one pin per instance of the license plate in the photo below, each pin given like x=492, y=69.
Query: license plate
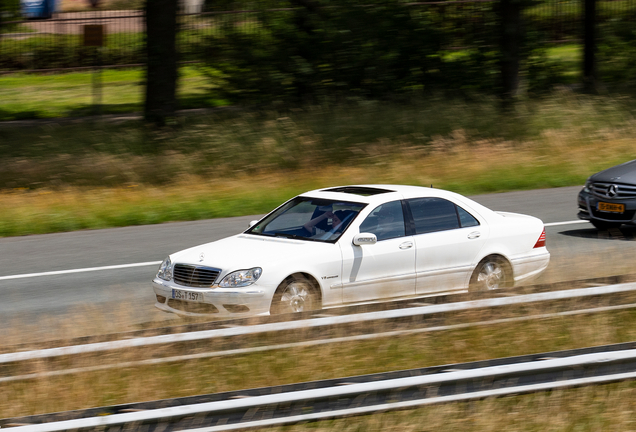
x=187, y=295
x=610, y=207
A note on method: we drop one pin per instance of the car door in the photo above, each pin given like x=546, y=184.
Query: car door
x=385, y=269
x=447, y=239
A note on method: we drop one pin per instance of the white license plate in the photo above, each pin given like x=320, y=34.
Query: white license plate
x=187, y=295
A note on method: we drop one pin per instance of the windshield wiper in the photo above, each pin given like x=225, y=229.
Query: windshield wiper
x=290, y=236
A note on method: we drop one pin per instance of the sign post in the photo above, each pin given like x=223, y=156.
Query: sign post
x=94, y=35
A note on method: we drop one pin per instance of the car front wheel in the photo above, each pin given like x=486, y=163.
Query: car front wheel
x=295, y=294
x=493, y=272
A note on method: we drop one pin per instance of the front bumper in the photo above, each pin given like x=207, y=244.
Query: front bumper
x=588, y=209
x=218, y=302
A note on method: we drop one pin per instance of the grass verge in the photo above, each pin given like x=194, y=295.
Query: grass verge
x=606, y=407
x=63, y=177
x=119, y=91
x=131, y=384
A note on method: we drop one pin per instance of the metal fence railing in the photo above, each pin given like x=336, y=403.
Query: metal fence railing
x=57, y=43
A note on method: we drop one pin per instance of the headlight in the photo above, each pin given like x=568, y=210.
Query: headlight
x=165, y=270
x=241, y=278
x=588, y=183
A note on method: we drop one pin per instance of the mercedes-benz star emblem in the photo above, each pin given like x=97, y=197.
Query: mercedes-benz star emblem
x=612, y=191
x=201, y=256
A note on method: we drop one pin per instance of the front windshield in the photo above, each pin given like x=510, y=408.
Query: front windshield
x=307, y=218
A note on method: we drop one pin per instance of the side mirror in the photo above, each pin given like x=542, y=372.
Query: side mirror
x=364, y=239
x=252, y=223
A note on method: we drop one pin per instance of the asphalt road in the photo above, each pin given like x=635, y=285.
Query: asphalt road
x=578, y=252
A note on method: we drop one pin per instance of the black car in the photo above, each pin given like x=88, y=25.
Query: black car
x=608, y=199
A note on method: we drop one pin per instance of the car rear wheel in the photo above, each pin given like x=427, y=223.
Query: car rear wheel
x=603, y=226
x=295, y=294
x=493, y=272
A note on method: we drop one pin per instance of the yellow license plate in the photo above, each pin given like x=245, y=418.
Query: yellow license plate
x=611, y=208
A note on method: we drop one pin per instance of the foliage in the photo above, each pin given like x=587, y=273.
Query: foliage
x=65, y=51
x=348, y=49
x=617, y=49
x=309, y=50
x=544, y=73
x=385, y=49
x=125, y=4
x=9, y=11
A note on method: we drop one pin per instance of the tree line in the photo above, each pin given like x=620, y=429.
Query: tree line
x=306, y=50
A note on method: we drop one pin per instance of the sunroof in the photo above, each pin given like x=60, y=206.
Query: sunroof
x=359, y=190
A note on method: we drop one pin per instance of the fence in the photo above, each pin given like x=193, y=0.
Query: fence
x=29, y=45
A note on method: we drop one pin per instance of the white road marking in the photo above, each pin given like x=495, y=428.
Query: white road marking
x=566, y=223
x=82, y=270
x=155, y=263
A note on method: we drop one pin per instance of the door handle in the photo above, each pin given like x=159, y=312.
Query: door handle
x=474, y=235
x=406, y=245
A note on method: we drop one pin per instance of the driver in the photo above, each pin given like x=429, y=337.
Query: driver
x=311, y=225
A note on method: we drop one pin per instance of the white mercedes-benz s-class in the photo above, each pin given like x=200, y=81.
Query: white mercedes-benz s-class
x=354, y=244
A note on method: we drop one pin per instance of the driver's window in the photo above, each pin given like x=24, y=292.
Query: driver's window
x=385, y=221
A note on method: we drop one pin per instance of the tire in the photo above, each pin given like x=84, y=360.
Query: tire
x=296, y=294
x=604, y=226
x=493, y=272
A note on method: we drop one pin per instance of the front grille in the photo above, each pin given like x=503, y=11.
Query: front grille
x=195, y=276
x=623, y=191
x=201, y=308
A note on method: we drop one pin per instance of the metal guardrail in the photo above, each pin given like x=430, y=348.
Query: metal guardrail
x=159, y=328
x=305, y=344
x=314, y=323
x=354, y=395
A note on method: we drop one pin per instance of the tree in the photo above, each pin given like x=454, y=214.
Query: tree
x=9, y=10
x=589, y=45
x=511, y=34
x=161, y=52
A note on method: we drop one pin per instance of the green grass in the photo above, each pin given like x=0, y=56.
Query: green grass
x=39, y=96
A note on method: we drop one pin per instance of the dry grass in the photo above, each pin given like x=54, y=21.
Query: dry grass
x=601, y=408
x=453, y=158
x=456, y=162
x=81, y=321
x=133, y=384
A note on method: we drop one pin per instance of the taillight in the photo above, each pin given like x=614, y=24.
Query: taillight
x=541, y=241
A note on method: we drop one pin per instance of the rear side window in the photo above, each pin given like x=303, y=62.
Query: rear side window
x=466, y=219
x=438, y=214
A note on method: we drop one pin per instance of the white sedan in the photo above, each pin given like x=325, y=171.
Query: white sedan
x=354, y=244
